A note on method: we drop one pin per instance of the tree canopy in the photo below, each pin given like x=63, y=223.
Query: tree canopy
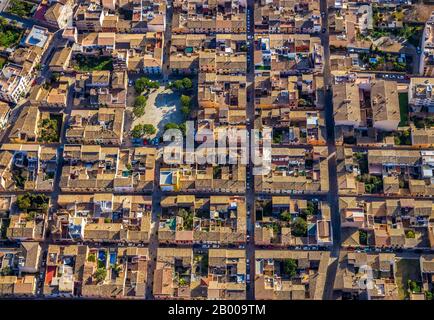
x=184, y=84
x=144, y=83
x=185, y=104
x=143, y=129
x=139, y=106
x=285, y=216
x=149, y=129
x=290, y=267
x=100, y=274
x=299, y=227
x=32, y=201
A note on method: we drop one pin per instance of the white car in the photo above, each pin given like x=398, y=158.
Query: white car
x=248, y=278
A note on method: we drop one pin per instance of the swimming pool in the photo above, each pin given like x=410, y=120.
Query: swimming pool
x=113, y=257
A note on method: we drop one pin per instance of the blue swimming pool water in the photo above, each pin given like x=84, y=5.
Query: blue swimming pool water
x=102, y=256
x=113, y=258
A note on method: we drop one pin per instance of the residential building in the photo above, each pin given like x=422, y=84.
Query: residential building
x=290, y=275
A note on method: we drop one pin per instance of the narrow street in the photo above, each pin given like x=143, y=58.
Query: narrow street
x=56, y=185
x=167, y=40
x=156, y=194
x=153, y=241
x=55, y=42
x=287, y=72
x=250, y=190
x=332, y=196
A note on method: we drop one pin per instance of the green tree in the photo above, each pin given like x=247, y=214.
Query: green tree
x=144, y=83
x=117, y=268
x=6, y=271
x=410, y=234
x=31, y=216
x=187, y=218
x=299, y=227
x=403, y=138
x=23, y=202
x=413, y=286
x=55, y=76
x=187, y=84
x=185, y=100
x=139, y=106
x=183, y=128
x=34, y=201
x=290, y=267
x=310, y=210
x=149, y=129
x=278, y=137
x=140, y=101
x=178, y=85
x=369, y=188
x=171, y=125
x=285, y=216
x=186, y=103
x=20, y=8
x=48, y=131
x=100, y=274
x=4, y=225
x=137, y=131
x=182, y=282
x=139, y=85
x=363, y=237
x=185, y=110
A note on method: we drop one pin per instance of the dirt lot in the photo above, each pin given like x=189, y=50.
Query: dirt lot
x=406, y=269
x=421, y=13
x=163, y=106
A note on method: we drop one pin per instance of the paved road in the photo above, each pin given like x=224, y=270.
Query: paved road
x=167, y=41
x=56, y=189
x=55, y=41
x=332, y=197
x=156, y=194
x=250, y=191
x=3, y=4
x=153, y=241
x=26, y=22
x=21, y=21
